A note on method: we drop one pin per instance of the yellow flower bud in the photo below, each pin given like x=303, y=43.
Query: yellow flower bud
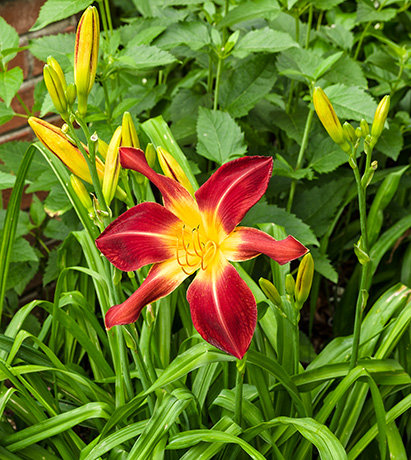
x=304, y=279
x=289, y=284
x=102, y=148
x=172, y=169
x=329, y=119
x=270, y=291
x=59, y=144
x=71, y=93
x=85, y=56
x=380, y=117
x=55, y=89
x=56, y=67
x=112, y=167
x=129, y=136
x=81, y=192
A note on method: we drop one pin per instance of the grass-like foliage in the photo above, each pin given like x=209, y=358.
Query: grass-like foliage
x=183, y=119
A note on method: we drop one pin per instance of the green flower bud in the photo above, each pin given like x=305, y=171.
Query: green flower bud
x=270, y=291
x=81, y=192
x=380, y=117
x=289, y=284
x=349, y=132
x=71, y=94
x=365, y=129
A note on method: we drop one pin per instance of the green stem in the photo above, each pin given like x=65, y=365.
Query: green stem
x=300, y=158
x=103, y=16
x=91, y=161
x=217, y=82
x=309, y=24
x=238, y=409
x=362, y=293
x=108, y=14
x=107, y=101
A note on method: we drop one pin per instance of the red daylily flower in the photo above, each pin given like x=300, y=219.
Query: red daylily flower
x=189, y=234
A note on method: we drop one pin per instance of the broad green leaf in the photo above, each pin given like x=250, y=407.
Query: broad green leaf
x=264, y=40
x=299, y=63
x=10, y=82
x=142, y=31
x=23, y=252
x=326, y=4
x=195, y=35
x=351, y=102
x=391, y=142
x=293, y=124
x=219, y=136
x=326, y=64
x=367, y=12
x=268, y=213
x=248, y=83
x=144, y=57
x=327, y=156
x=56, y=202
x=6, y=113
x=323, y=266
x=52, y=269
x=348, y=72
x=23, y=223
x=60, y=46
x=20, y=274
x=55, y=10
x=6, y=180
x=248, y=10
x=317, y=206
x=282, y=168
x=9, y=38
x=339, y=35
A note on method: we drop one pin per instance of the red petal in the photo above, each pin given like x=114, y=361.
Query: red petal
x=162, y=279
x=223, y=308
x=231, y=191
x=245, y=243
x=145, y=234
x=176, y=198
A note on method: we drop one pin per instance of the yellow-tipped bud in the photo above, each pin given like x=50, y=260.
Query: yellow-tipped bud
x=71, y=93
x=112, y=167
x=85, y=55
x=349, y=132
x=329, y=119
x=380, y=117
x=55, y=89
x=59, y=144
x=289, y=284
x=102, y=148
x=129, y=136
x=81, y=192
x=270, y=291
x=304, y=279
x=151, y=155
x=172, y=169
x=56, y=67
x=365, y=129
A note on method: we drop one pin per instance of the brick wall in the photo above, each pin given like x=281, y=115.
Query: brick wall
x=22, y=14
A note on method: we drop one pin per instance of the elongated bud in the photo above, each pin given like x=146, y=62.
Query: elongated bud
x=71, y=94
x=365, y=129
x=172, y=169
x=56, y=67
x=349, y=132
x=329, y=119
x=231, y=42
x=129, y=136
x=82, y=193
x=380, y=117
x=102, y=148
x=151, y=155
x=358, y=132
x=289, y=284
x=112, y=167
x=85, y=56
x=304, y=279
x=270, y=291
x=59, y=144
x=55, y=89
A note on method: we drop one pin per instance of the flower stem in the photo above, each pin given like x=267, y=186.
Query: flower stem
x=238, y=409
x=362, y=293
x=300, y=158
x=217, y=82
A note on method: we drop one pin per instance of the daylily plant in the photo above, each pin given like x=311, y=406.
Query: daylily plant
x=199, y=233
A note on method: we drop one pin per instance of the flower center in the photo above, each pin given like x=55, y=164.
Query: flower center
x=194, y=251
